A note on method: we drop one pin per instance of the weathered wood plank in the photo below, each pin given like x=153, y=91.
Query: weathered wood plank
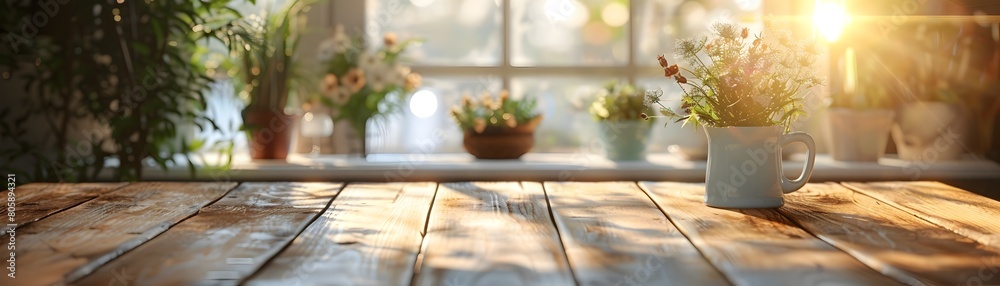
x=614, y=235
x=72, y=243
x=370, y=235
x=963, y=212
x=757, y=246
x=226, y=241
x=891, y=240
x=36, y=201
x=492, y=234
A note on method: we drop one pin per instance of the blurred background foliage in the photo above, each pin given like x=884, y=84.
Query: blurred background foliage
x=116, y=81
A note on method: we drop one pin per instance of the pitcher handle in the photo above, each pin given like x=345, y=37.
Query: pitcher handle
x=788, y=186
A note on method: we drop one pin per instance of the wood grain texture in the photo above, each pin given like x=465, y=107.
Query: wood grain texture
x=36, y=201
x=965, y=213
x=370, y=235
x=757, y=246
x=492, y=234
x=72, y=243
x=226, y=241
x=613, y=234
x=890, y=240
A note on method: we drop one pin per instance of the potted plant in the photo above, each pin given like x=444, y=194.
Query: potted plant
x=617, y=109
x=363, y=84
x=110, y=85
x=497, y=128
x=860, y=117
x=268, y=70
x=745, y=92
x=933, y=123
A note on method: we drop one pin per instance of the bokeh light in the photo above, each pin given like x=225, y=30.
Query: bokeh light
x=423, y=104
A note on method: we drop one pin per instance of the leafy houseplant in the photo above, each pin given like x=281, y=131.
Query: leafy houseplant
x=860, y=117
x=362, y=84
x=105, y=81
x=746, y=92
x=497, y=128
x=618, y=108
x=269, y=72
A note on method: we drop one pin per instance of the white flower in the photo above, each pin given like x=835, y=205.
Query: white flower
x=326, y=50
x=379, y=76
x=340, y=42
x=398, y=75
x=368, y=61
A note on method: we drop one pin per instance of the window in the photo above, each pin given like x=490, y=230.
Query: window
x=558, y=51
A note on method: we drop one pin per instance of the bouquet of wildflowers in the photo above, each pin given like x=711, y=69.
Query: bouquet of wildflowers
x=364, y=83
x=733, y=79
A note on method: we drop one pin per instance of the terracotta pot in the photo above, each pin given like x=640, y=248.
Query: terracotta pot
x=929, y=131
x=501, y=142
x=859, y=135
x=269, y=133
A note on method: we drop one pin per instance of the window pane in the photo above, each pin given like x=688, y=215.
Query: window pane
x=567, y=125
x=659, y=23
x=455, y=32
x=425, y=126
x=569, y=32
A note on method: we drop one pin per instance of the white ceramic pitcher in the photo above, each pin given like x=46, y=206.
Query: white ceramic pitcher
x=744, y=166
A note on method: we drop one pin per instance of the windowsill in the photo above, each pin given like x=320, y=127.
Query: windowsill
x=555, y=167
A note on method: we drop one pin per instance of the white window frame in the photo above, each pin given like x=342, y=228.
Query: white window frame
x=351, y=14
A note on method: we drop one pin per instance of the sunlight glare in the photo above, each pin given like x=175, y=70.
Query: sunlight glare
x=830, y=18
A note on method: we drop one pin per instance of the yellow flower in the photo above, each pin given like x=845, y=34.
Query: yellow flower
x=480, y=125
x=330, y=83
x=355, y=78
x=389, y=39
x=504, y=95
x=412, y=81
x=487, y=100
x=308, y=105
x=511, y=122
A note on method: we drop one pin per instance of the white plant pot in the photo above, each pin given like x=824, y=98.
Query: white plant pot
x=744, y=166
x=859, y=135
x=929, y=131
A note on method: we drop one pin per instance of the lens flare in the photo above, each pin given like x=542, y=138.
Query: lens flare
x=830, y=18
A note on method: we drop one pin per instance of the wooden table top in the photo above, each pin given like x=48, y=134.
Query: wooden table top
x=498, y=233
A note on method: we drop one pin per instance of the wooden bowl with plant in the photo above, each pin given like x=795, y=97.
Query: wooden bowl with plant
x=497, y=127
x=618, y=109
